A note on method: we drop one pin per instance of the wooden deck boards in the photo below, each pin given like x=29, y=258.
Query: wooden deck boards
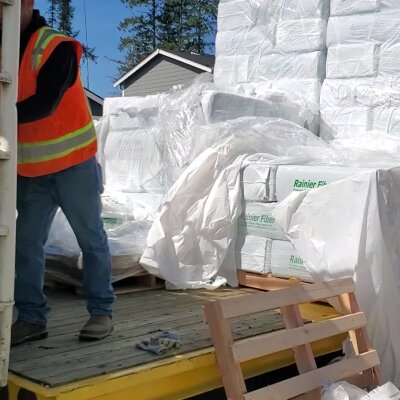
x=62, y=359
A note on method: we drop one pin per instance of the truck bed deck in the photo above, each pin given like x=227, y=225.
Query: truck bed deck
x=62, y=359
x=61, y=365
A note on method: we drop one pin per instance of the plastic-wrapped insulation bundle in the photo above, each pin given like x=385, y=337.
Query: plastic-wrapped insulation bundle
x=265, y=47
x=187, y=112
x=145, y=145
x=128, y=148
x=127, y=219
x=191, y=243
x=361, y=92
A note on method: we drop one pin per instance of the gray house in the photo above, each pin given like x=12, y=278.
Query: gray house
x=96, y=103
x=162, y=70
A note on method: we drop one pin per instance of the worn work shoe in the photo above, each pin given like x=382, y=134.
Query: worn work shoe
x=22, y=332
x=98, y=327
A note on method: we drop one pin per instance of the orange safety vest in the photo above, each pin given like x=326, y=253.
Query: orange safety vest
x=65, y=138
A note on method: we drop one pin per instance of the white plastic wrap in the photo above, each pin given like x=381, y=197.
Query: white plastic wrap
x=144, y=147
x=126, y=243
x=292, y=66
x=257, y=220
x=231, y=70
x=250, y=253
x=266, y=256
x=340, y=122
x=297, y=178
x=237, y=14
x=386, y=120
x=189, y=113
x=296, y=78
x=377, y=145
x=296, y=100
x=363, y=71
x=346, y=391
x=359, y=238
x=189, y=241
x=102, y=129
x=367, y=92
x=359, y=105
x=266, y=183
x=119, y=207
x=361, y=93
x=294, y=9
x=129, y=239
x=131, y=104
x=280, y=45
x=382, y=27
x=301, y=35
x=388, y=61
x=127, y=220
x=133, y=161
x=128, y=149
x=305, y=93
x=177, y=125
x=258, y=182
x=364, y=60
x=249, y=42
x=386, y=391
x=244, y=14
x=283, y=261
x=219, y=106
x=343, y=391
x=353, y=61
x=349, y=7
x=62, y=241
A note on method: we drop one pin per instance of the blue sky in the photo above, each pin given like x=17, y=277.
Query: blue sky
x=103, y=18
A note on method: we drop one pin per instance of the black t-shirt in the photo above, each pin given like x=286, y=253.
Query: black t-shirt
x=55, y=77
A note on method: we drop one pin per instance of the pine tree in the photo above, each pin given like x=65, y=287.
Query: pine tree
x=52, y=12
x=60, y=16
x=203, y=22
x=180, y=25
x=65, y=17
x=141, y=31
x=174, y=29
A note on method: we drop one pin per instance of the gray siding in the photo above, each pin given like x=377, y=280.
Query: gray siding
x=158, y=76
x=97, y=109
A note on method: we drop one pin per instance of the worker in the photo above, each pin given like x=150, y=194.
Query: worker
x=56, y=168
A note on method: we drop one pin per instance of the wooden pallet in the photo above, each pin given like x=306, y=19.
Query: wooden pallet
x=266, y=282
x=362, y=368
x=271, y=283
x=62, y=273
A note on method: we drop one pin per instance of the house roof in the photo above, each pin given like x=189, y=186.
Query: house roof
x=206, y=59
x=93, y=96
x=202, y=62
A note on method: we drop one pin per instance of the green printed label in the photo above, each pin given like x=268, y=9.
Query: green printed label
x=112, y=221
x=257, y=219
x=301, y=184
x=296, y=261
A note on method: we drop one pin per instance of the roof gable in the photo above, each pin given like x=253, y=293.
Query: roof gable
x=203, y=63
x=93, y=96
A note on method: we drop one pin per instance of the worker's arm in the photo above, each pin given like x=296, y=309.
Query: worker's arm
x=55, y=77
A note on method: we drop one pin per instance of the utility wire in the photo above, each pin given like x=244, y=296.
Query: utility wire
x=87, y=44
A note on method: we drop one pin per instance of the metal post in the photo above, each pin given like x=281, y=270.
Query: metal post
x=8, y=163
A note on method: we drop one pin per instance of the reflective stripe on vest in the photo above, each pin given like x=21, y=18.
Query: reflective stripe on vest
x=57, y=148
x=46, y=35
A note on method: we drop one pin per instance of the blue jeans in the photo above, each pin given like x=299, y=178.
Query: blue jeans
x=77, y=191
